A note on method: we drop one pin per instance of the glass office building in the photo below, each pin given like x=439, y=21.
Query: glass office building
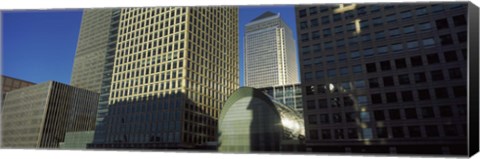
x=250, y=121
x=290, y=95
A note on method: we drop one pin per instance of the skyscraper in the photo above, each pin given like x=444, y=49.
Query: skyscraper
x=173, y=68
x=270, y=53
x=38, y=116
x=386, y=78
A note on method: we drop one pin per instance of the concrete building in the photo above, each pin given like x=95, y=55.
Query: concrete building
x=38, y=116
x=384, y=78
x=252, y=122
x=77, y=140
x=290, y=95
x=270, y=54
x=8, y=84
x=173, y=69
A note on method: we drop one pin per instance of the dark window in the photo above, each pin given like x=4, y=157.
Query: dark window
x=407, y=96
x=450, y=130
x=303, y=25
x=394, y=114
x=433, y=58
x=379, y=115
x=324, y=119
x=450, y=56
x=455, y=73
x=352, y=133
x=337, y=118
x=460, y=91
x=388, y=81
x=397, y=132
x=312, y=119
x=304, y=37
x=314, y=134
x=414, y=131
x=339, y=134
x=420, y=77
x=462, y=36
x=322, y=88
x=322, y=103
x=337, y=17
x=350, y=117
x=445, y=111
x=459, y=20
x=403, y=79
x=446, y=39
x=400, y=63
x=462, y=109
x=423, y=94
x=437, y=75
x=312, y=10
x=382, y=132
x=325, y=19
x=326, y=134
x=371, y=67
x=335, y=102
x=310, y=104
x=315, y=35
x=385, y=65
x=441, y=93
x=427, y=112
x=441, y=24
x=347, y=101
x=376, y=98
x=391, y=97
x=373, y=83
x=309, y=90
x=302, y=13
x=411, y=113
x=431, y=130
x=416, y=61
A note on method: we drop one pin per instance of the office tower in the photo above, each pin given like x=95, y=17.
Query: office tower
x=9, y=84
x=290, y=95
x=38, y=116
x=173, y=69
x=89, y=61
x=251, y=121
x=384, y=78
x=270, y=53
x=77, y=140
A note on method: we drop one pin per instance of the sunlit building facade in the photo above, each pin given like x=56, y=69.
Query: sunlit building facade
x=251, y=121
x=384, y=78
x=270, y=54
x=38, y=116
x=173, y=69
x=290, y=95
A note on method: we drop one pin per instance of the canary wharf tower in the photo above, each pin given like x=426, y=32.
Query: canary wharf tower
x=173, y=68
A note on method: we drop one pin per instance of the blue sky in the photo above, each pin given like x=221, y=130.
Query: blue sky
x=39, y=46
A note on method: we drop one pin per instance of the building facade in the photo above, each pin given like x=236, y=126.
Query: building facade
x=38, y=116
x=384, y=78
x=9, y=84
x=252, y=122
x=77, y=140
x=290, y=95
x=173, y=68
x=270, y=54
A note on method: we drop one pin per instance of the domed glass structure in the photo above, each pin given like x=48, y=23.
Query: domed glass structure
x=251, y=121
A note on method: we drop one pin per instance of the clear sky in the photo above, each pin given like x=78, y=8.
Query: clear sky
x=39, y=46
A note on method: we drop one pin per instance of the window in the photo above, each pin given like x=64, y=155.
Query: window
x=328, y=45
x=305, y=49
x=390, y=18
x=315, y=35
x=437, y=8
x=385, y=65
x=365, y=38
x=394, y=32
x=377, y=21
x=324, y=118
x=446, y=39
x=397, y=47
x=313, y=134
x=450, y=130
x=322, y=88
x=371, y=67
x=362, y=100
x=302, y=13
x=312, y=10
x=335, y=102
x=455, y=73
x=450, y=56
x=376, y=98
x=459, y=20
x=316, y=48
x=342, y=56
x=403, y=79
x=462, y=109
x=374, y=8
x=462, y=36
x=355, y=54
x=382, y=49
x=411, y=113
x=379, y=35
x=373, y=83
x=407, y=96
x=350, y=27
x=303, y=25
x=431, y=130
x=323, y=9
x=379, y=115
x=421, y=11
x=364, y=24
x=331, y=73
x=347, y=101
x=423, y=94
x=414, y=131
x=361, y=11
x=394, y=114
x=397, y=132
x=353, y=41
x=310, y=104
x=388, y=81
x=427, y=112
x=325, y=19
x=304, y=37
x=340, y=43
x=319, y=75
x=349, y=14
x=420, y=77
x=445, y=111
x=338, y=29
x=322, y=103
x=437, y=75
x=337, y=118
x=339, y=134
x=425, y=26
x=416, y=61
x=459, y=91
x=441, y=24
x=357, y=69
x=365, y=116
x=428, y=42
x=352, y=133
x=400, y=63
x=412, y=44
x=406, y=15
x=350, y=117
x=327, y=32
x=308, y=76
x=359, y=84
x=391, y=97
x=337, y=17
x=343, y=71
x=309, y=90
x=312, y=119
x=433, y=58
